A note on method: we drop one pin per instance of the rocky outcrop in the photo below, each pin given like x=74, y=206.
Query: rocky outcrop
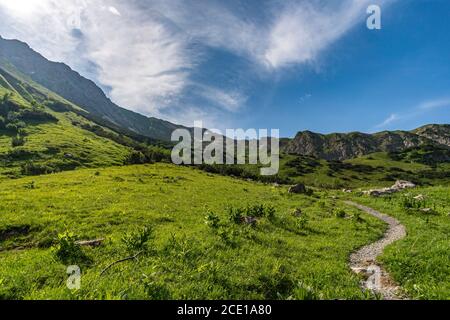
x=340, y=146
x=398, y=186
x=435, y=132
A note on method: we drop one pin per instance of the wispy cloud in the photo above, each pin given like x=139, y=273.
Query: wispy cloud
x=301, y=31
x=433, y=104
x=420, y=110
x=389, y=120
x=145, y=52
x=226, y=99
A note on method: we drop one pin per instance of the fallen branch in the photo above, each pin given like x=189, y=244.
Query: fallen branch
x=120, y=261
x=91, y=243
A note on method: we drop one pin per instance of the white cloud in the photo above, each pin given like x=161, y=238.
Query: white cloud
x=145, y=52
x=114, y=11
x=225, y=99
x=420, y=110
x=301, y=32
x=433, y=104
x=389, y=120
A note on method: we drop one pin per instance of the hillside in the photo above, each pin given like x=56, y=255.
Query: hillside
x=341, y=146
x=41, y=133
x=65, y=82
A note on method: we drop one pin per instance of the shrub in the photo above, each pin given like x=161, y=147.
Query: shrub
x=236, y=214
x=212, y=220
x=67, y=250
x=340, y=213
x=138, y=241
x=36, y=114
x=156, y=289
x=270, y=212
x=58, y=106
x=357, y=217
x=16, y=126
x=302, y=222
x=135, y=157
x=227, y=235
x=408, y=202
x=33, y=169
x=17, y=141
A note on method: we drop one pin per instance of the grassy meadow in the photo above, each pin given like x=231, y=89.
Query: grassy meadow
x=197, y=248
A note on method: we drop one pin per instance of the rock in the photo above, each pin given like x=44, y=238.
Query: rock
x=428, y=211
x=68, y=156
x=298, y=189
x=347, y=191
x=379, y=192
x=398, y=186
x=401, y=185
x=252, y=221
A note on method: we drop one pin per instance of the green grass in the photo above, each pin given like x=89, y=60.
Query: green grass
x=421, y=262
x=59, y=145
x=278, y=259
x=377, y=169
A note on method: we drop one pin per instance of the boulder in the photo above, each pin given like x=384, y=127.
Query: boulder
x=298, y=189
x=401, y=185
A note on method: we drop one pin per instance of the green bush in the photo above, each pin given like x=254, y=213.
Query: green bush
x=67, y=250
x=302, y=222
x=34, y=169
x=16, y=126
x=156, y=289
x=212, y=220
x=408, y=202
x=138, y=241
x=17, y=141
x=237, y=215
x=340, y=213
x=135, y=157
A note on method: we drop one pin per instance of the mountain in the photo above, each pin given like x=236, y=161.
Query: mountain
x=35, y=139
x=41, y=133
x=62, y=80
x=437, y=133
x=344, y=146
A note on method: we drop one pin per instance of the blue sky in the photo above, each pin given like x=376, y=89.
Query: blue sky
x=292, y=65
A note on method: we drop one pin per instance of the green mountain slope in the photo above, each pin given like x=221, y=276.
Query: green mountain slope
x=70, y=85
x=42, y=133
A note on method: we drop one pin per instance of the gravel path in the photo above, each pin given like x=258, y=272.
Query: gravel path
x=364, y=262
